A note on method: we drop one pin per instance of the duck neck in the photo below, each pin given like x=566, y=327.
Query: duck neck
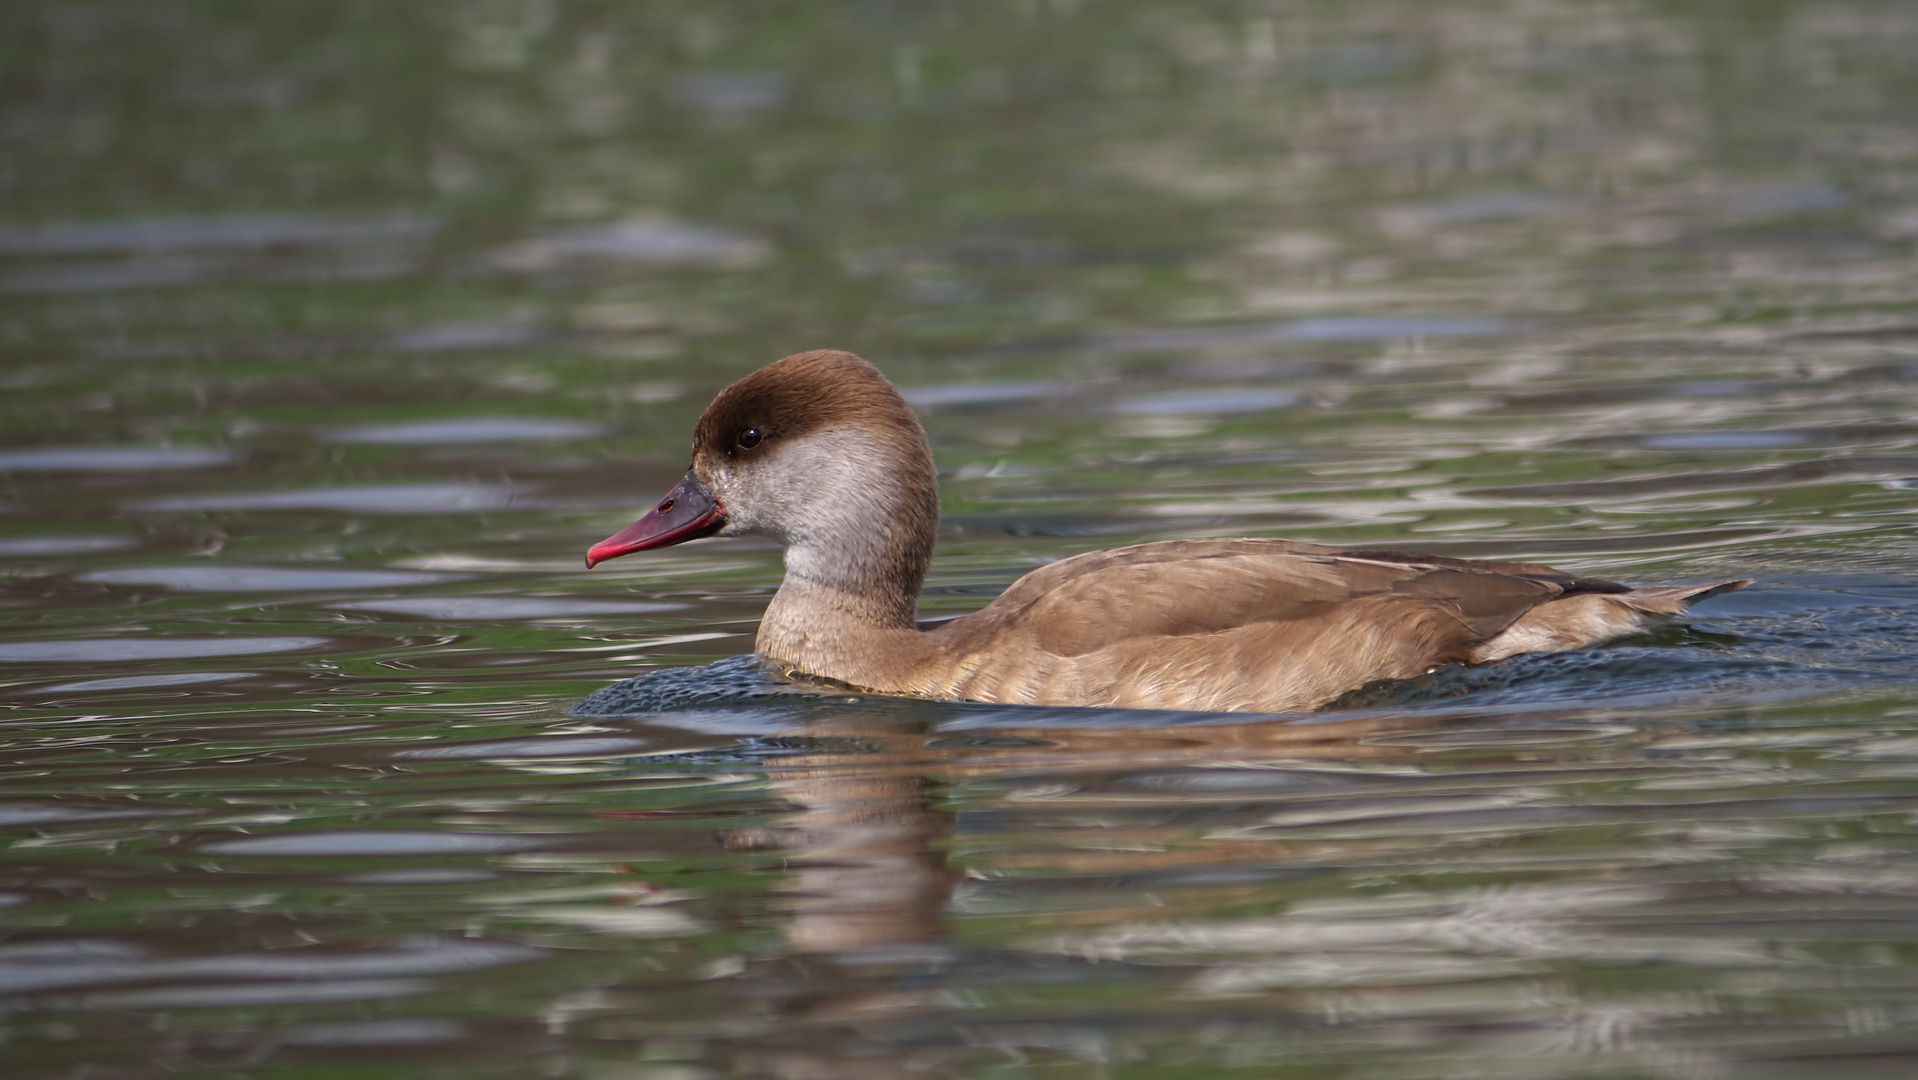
x=855, y=563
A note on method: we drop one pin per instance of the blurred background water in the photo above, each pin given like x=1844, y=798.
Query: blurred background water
x=332, y=334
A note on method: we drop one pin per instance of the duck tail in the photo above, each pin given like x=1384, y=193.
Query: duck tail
x=1676, y=599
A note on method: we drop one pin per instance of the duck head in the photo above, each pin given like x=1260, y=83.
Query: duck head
x=819, y=452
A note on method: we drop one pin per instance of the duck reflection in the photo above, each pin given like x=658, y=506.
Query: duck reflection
x=866, y=853
x=864, y=842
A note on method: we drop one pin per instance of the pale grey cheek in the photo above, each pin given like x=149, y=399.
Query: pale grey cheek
x=832, y=487
x=751, y=505
x=721, y=484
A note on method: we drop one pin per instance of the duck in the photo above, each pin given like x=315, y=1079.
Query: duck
x=821, y=453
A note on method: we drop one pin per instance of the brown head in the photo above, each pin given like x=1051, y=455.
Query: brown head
x=820, y=452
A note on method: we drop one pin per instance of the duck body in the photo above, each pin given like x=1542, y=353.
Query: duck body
x=820, y=452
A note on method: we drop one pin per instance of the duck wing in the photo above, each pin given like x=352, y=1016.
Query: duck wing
x=1264, y=625
x=1268, y=625
x=1187, y=587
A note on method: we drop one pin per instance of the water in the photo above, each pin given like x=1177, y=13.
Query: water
x=330, y=339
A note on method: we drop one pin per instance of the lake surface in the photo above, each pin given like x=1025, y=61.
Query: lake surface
x=332, y=335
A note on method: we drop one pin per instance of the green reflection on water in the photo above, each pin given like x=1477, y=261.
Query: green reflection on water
x=1684, y=232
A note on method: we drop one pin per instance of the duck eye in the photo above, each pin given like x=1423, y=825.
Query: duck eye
x=749, y=438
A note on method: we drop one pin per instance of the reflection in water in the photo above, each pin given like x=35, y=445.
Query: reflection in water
x=866, y=886
x=1727, y=440
x=461, y=337
x=111, y=458
x=647, y=242
x=108, y=650
x=476, y=430
x=81, y=976
x=864, y=843
x=231, y=578
x=473, y=608
x=1210, y=401
x=171, y=252
x=564, y=746
x=176, y=233
x=976, y=393
x=1357, y=328
x=374, y=1033
x=60, y=545
x=381, y=842
x=379, y=499
x=866, y=849
x=383, y=289
x=144, y=682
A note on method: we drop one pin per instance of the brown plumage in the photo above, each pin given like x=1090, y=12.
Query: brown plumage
x=820, y=452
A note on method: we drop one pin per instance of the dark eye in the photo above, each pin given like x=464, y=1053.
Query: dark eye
x=748, y=438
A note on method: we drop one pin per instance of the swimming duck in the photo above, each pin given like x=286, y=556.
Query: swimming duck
x=820, y=452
